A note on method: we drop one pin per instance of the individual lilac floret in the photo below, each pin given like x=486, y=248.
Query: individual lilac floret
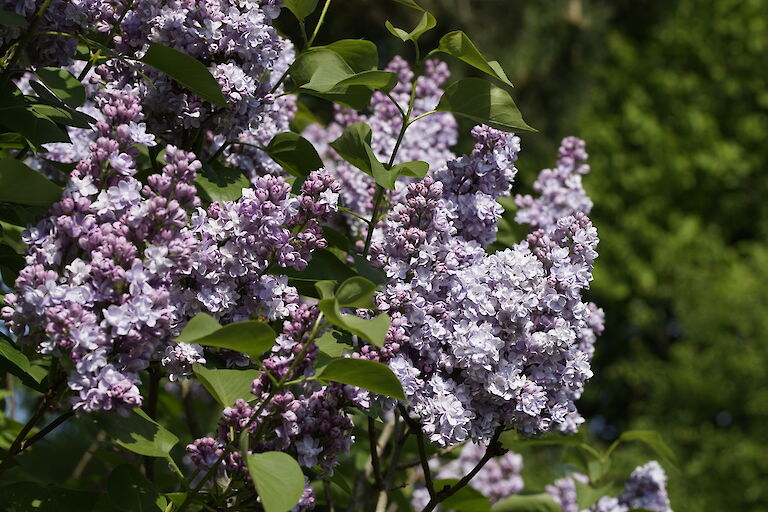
x=473, y=183
x=560, y=189
x=104, y=268
x=646, y=488
x=240, y=241
x=429, y=140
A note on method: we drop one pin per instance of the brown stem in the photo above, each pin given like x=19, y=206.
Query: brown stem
x=375, y=454
x=494, y=449
x=416, y=428
x=150, y=407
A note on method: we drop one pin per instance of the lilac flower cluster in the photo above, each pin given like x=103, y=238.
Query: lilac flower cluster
x=240, y=241
x=473, y=183
x=307, y=420
x=646, y=488
x=119, y=267
x=482, y=342
x=103, y=270
x=234, y=39
x=498, y=479
x=561, y=189
x=431, y=142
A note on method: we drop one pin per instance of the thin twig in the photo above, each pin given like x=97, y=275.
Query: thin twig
x=375, y=454
x=87, y=456
x=416, y=428
x=494, y=449
x=319, y=23
x=25, y=38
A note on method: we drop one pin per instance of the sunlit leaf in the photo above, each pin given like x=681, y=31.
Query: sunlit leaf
x=362, y=373
x=278, y=479
x=483, y=102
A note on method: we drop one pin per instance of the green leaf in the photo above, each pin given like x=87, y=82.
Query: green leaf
x=653, y=440
x=186, y=70
x=426, y=23
x=250, y=337
x=365, y=374
x=460, y=46
x=356, y=292
x=226, y=386
x=325, y=288
x=373, y=330
x=375, y=79
x=18, y=114
x=387, y=179
x=15, y=356
x=11, y=264
x=354, y=146
x=130, y=491
x=138, y=433
x=300, y=8
x=278, y=479
x=319, y=69
x=21, y=184
x=483, y=102
x=359, y=54
x=63, y=84
x=12, y=19
x=199, y=326
x=220, y=183
x=527, y=503
x=294, y=153
x=330, y=345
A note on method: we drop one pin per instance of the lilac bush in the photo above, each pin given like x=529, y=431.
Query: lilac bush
x=306, y=311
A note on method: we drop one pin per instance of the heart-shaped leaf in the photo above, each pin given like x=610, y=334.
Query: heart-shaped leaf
x=21, y=184
x=459, y=45
x=138, y=433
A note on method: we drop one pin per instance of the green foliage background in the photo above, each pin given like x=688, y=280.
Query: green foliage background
x=671, y=97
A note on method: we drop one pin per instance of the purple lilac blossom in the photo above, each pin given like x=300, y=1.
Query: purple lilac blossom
x=307, y=420
x=560, y=189
x=429, y=140
x=233, y=38
x=482, y=342
x=646, y=488
x=473, y=183
x=103, y=270
x=239, y=241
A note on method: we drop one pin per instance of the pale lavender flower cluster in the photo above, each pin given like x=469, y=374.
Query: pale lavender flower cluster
x=482, y=342
x=561, y=190
x=234, y=39
x=103, y=270
x=429, y=140
x=119, y=267
x=239, y=242
x=646, y=488
x=473, y=183
x=499, y=477
x=307, y=420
